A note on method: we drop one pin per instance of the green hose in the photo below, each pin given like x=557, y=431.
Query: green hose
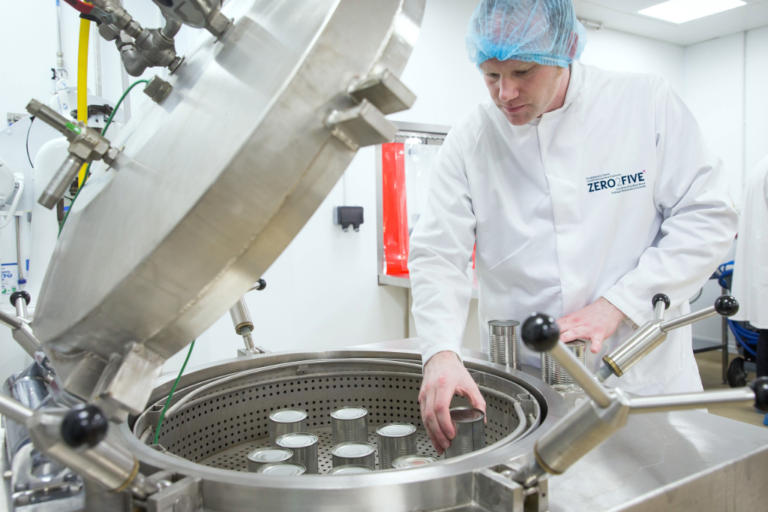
x=170, y=395
x=103, y=132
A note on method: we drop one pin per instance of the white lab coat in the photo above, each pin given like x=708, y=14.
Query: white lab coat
x=750, y=271
x=613, y=195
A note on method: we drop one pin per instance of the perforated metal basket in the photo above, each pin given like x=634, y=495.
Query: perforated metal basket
x=222, y=419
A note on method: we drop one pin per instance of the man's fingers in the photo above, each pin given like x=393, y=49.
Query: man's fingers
x=476, y=400
x=566, y=322
x=597, y=343
x=423, y=407
x=443, y=398
x=439, y=441
x=578, y=332
x=567, y=336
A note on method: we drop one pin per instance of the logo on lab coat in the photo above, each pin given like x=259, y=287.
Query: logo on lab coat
x=616, y=183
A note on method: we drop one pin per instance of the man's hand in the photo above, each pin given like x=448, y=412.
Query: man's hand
x=595, y=323
x=444, y=376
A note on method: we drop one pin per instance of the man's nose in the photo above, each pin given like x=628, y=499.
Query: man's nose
x=508, y=90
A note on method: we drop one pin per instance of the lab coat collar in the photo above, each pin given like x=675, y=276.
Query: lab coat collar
x=576, y=84
x=575, y=87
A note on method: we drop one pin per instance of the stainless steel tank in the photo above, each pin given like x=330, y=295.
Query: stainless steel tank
x=213, y=183
x=224, y=417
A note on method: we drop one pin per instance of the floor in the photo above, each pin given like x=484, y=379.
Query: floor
x=710, y=369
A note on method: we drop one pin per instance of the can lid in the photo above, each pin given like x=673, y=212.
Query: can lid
x=296, y=440
x=351, y=450
x=504, y=323
x=266, y=455
x=282, y=469
x=349, y=413
x=466, y=414
x=288, y=415
x=350, y=469
x=412, y=461
x=396, y=430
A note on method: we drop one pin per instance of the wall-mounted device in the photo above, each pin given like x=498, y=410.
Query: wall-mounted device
x=346, y=216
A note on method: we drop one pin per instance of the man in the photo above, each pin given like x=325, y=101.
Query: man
x=750, y=272
x=586, y=191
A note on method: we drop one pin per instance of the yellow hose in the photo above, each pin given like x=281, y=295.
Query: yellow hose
x=82, y=83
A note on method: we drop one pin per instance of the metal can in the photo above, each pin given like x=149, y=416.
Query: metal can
x=261, y=456
x=552, y=373
x=286, y=421
x=304, y=448
x=282, y=469
x=349, y=425
x=503, y=343
x=412, y=461
x=470, y=431
x=350, y=469
x=358, y=454
x=395, y=440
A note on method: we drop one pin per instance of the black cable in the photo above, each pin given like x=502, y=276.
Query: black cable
x=697, y=296
x=28, y=130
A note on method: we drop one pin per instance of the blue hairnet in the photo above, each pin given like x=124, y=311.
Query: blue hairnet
x=542, y=31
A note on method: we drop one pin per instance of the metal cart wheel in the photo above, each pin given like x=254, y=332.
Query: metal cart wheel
x=737, y=375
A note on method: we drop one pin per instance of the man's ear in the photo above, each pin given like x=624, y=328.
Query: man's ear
x=574, y=45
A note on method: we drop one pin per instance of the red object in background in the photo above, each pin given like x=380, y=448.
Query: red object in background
x=396, y=240
x=474, y=250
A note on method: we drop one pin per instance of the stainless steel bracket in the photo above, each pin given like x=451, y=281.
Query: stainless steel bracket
x=385, y=90
x=127, y=382
x=186, y=495
x=361, y=125
x=497, y=493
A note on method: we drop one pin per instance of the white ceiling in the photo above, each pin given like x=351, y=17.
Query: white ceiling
x=622, y=15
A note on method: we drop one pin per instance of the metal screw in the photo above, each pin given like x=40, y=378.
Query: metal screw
x=7, y=475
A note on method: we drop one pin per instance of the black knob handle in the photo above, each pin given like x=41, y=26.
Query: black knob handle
x=262, y=284
x=84, y=425
x=660, y=296
x=20, y=294
x=540, y=332
x=726, y=305
x=760, y=387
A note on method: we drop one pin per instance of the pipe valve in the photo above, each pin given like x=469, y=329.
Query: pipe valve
x=653, y=334
x=85, y=146
x=593, y=421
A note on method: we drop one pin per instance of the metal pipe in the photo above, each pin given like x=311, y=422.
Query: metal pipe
x=724, y=335
x=59, y=52
x=248, y=340
x=125, y=82
x=19, y=265
x=171, y=28
x=133, y=62
x=9, y=321
x=13, y=410
x=665, y=403
x=580, y=375
x=21, y=308
x=26, y=339
x=658, y=310
x=690, y=318
x=97, y=58
x=241, y=318
x=51, y=118
x=61, y=181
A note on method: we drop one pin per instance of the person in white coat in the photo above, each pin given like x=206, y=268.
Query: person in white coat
x=587, y=192
x=750, y=269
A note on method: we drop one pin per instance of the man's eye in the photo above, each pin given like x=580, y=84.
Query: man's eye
x=492, y=75
x=522, y=72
